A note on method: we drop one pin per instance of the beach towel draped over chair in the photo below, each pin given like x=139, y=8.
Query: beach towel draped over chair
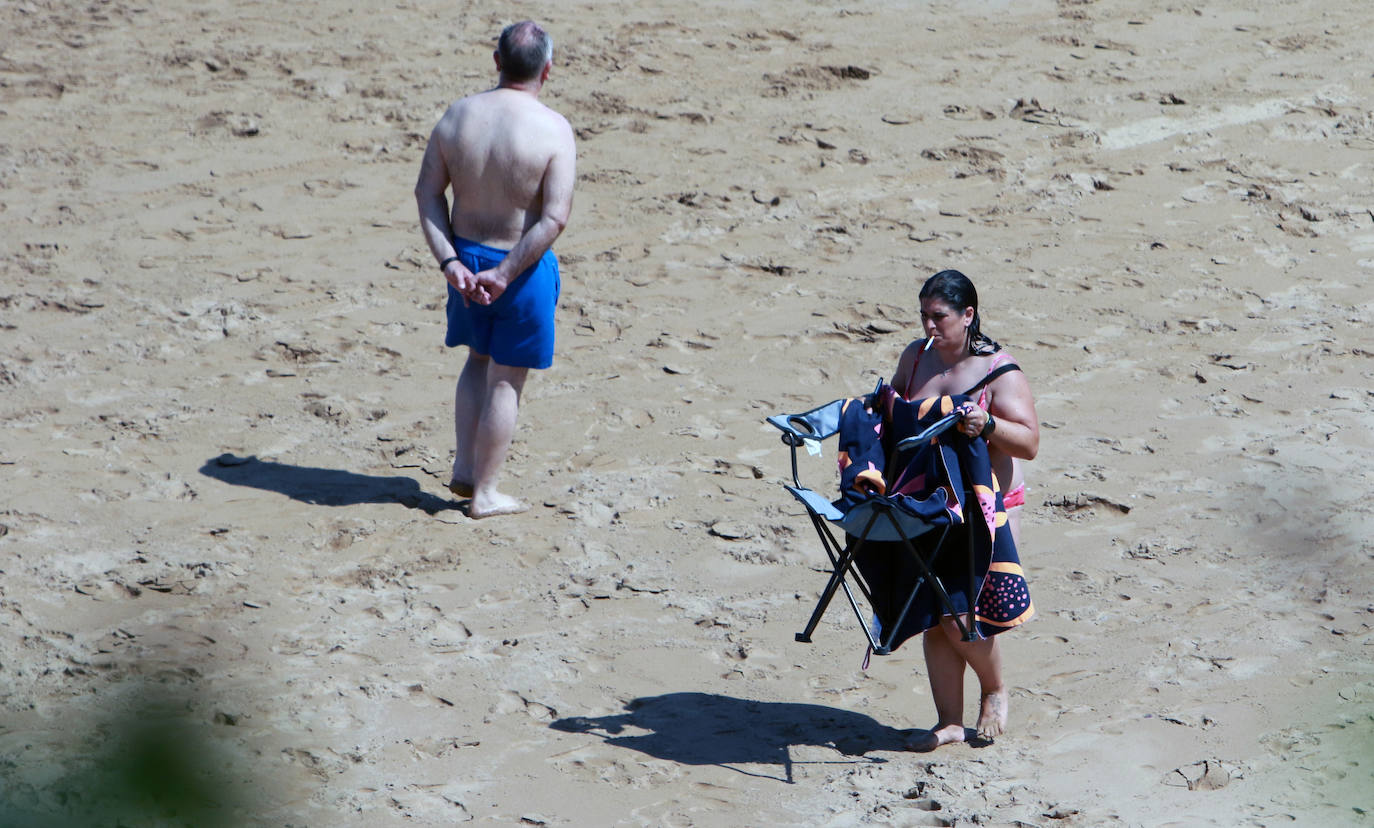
x=921, y=513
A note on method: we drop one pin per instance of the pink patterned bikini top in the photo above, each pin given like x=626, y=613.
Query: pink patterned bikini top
x=1001, y=364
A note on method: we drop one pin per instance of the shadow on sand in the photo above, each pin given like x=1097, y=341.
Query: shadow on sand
x=323, y=487
x=707, y=729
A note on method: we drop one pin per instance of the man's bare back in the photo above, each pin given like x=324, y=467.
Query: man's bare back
x=497, y=147
x=511, y=163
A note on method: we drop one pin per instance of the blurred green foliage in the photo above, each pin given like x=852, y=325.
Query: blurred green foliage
x=149, y=761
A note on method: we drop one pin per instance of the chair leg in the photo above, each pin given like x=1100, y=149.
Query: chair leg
x=927, y=574
x=842, y=564
x=839, y=561
x=965, y=622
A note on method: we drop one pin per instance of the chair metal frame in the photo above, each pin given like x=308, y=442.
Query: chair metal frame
x=876, y=519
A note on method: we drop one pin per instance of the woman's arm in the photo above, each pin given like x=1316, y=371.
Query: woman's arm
x=1017, y=430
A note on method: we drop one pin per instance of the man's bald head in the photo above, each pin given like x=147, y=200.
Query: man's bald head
x=524, y=49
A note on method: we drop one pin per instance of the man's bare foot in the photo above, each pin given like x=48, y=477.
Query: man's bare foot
x=460, y=489
x=495, y=504
x=924, y=741
x=992, y=719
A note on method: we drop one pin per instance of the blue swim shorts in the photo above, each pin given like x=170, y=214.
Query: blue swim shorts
x=517, y=329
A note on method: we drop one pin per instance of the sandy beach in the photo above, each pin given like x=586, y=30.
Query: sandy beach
x=226, y=412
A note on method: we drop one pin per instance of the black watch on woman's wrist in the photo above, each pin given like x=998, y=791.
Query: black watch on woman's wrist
x=988, y=427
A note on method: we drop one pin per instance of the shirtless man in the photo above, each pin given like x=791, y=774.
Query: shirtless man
x=510, y=162
x=955, y=357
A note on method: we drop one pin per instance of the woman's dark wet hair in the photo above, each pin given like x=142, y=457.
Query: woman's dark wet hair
x=956, y=290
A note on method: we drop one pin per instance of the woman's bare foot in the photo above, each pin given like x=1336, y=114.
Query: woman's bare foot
x=460, y=489
x=992, y=719
x=495, y=504
x=924, y=741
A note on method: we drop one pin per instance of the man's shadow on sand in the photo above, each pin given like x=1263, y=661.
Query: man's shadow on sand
x=323, y=487
x=707, y=729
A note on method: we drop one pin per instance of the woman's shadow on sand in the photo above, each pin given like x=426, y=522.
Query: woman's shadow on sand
x=322, y=487
x=708, y=729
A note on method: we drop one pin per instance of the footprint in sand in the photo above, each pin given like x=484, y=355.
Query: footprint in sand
x=511, y=702
x=322, y=763
x=438, y=803
x=447, y=634
x=1207, y=775
x=926, y=804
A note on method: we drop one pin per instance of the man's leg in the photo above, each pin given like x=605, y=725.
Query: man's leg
x=495, y=428
x=468, y=401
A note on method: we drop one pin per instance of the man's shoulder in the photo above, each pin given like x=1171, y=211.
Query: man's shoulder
x=549, y=123
x=468, y=102
x=521, y=115
x=555, y=114
x=523, y=106
x=542, y=110
x=561, y=123
x=454, y=114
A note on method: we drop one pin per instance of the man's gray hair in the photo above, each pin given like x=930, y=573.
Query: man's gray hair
x=524, y=48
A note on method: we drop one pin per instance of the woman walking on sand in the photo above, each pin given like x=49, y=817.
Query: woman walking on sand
x=956, y=357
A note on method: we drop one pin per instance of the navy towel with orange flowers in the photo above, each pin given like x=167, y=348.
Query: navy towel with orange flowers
x=950, y=464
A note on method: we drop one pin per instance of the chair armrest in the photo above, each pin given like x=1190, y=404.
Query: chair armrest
x=817, y=424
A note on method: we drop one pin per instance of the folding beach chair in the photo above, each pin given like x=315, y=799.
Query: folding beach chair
x=922, y=519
